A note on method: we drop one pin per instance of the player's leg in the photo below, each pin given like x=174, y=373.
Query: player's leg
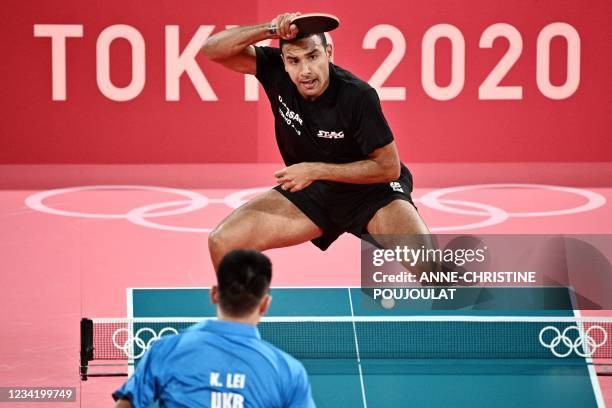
x=268, y=221
x=398, y=224
x=399, y=217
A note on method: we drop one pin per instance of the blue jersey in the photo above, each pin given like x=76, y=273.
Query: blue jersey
x=217, y=364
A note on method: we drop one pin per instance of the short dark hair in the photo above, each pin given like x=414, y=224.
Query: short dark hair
x=301, y=36
x=243, y=278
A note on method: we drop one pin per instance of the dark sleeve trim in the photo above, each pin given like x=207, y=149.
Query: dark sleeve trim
x=379, y=145
x=117, y=395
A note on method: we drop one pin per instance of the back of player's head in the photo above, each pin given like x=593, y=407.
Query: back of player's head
x=301, y=36
x=243, y=278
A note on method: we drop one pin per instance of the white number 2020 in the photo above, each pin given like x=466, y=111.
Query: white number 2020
x=490, y=89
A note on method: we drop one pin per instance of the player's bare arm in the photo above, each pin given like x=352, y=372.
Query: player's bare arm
x=382, y=166
x=234, y=48
x=123, y=404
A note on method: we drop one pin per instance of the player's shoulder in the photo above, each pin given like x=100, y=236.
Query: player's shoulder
x=351, y=87
x=273, y=51
x=167, y=343
x=161, y=349
x=284, y=359
x=269, y=64
x=350, y=82
x=268, y=55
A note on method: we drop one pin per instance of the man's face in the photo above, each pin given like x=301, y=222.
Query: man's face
x=307, y=63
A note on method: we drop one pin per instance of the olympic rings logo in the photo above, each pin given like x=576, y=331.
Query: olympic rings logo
x=133, y=341
x=193, y=201
x=584, y=345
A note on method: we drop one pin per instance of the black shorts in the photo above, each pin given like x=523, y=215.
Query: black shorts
x=340, y=207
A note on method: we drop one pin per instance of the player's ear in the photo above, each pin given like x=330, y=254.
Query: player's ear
x=265, y=305
x=214, y=295
x=330, y=52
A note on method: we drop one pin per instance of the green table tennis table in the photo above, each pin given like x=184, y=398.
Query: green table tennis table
x=359, y=377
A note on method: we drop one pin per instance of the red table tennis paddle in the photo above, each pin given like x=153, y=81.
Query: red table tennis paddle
x=315, y=23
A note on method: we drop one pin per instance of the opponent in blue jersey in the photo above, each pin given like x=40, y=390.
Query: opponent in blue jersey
x=222, y=363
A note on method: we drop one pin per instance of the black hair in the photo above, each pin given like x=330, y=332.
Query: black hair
x=301, y=36
x=243, y=278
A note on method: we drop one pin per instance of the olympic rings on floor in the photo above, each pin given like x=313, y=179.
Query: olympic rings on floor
x=193, y=201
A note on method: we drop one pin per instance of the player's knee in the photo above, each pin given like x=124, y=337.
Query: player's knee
x=222, y=240
x=217, y=241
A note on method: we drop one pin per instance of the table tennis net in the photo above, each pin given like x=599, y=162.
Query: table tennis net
x=390, y=337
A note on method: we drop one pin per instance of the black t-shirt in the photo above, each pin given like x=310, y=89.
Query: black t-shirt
x=344, y=124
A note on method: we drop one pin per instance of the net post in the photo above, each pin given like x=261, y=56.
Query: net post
x=86, y=346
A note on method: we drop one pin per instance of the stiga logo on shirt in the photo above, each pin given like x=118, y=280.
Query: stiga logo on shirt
x=396, y=186
x=331, y=135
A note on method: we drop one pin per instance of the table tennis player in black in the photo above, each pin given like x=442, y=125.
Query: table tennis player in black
x=343, y=172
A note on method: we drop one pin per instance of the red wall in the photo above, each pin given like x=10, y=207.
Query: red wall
x=90, y=127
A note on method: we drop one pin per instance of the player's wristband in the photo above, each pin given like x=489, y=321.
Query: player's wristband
x=272, y=29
